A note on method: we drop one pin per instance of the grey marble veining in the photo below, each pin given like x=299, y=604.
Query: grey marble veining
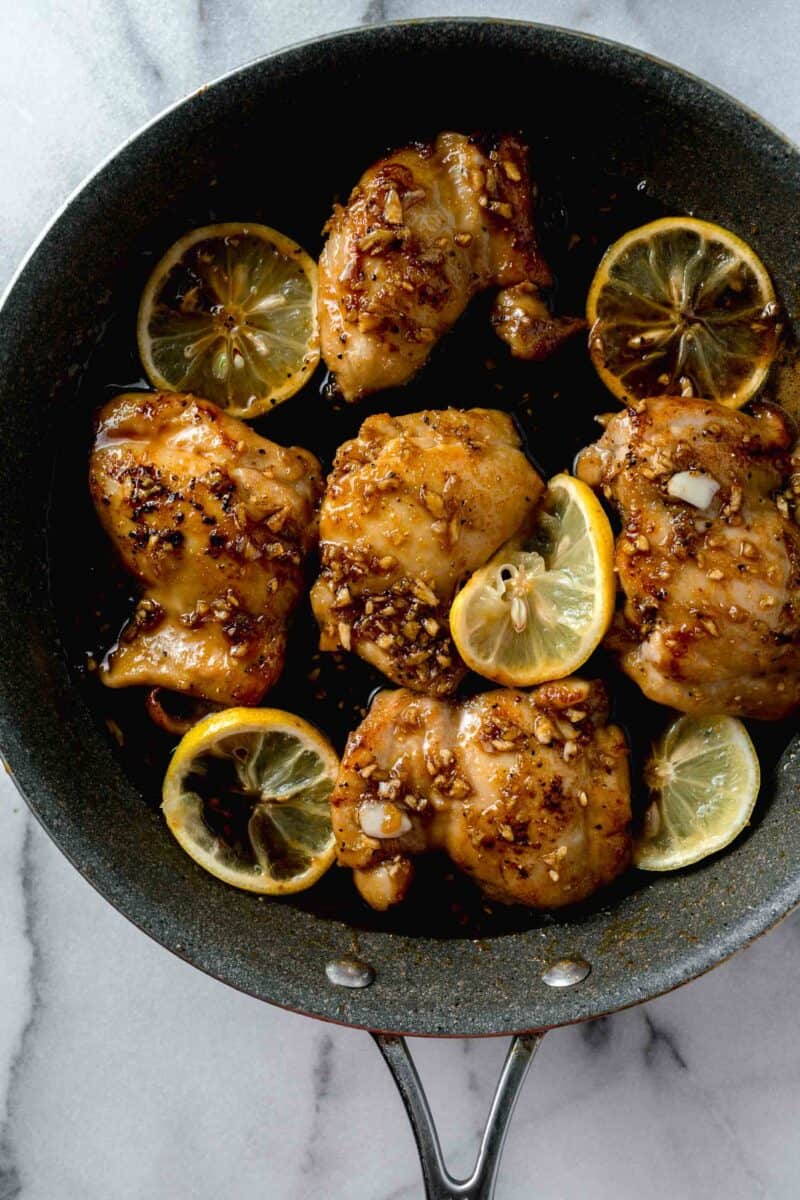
x=125, y=1074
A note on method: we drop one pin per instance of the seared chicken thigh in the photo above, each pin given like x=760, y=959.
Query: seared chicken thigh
x=424, y=231
x=708, y=556
x=214, y=521
x=527, y=792
x=413, y=505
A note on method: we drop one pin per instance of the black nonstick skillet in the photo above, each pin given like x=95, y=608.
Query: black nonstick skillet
x=616, y=137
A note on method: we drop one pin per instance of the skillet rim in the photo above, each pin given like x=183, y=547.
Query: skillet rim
x=354, y=30
x=719, y=945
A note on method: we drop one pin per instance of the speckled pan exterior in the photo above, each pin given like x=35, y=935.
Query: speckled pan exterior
x=351, y=94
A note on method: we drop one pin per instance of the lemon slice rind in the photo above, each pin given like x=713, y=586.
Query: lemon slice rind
x=295, y=808
x=245, y=335
x=536, y=614
x=705, y=777
x=650, y=290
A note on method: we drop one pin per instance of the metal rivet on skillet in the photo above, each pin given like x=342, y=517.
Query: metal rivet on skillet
x=349, y=972
x=566, y=972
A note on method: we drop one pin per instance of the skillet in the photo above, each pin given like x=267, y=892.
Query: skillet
x=275, y=141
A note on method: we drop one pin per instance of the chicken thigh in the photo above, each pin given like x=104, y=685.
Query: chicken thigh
x=424, y=231
x=214, y=521
x=527, y=792
x=413, y=505
x=708, y=555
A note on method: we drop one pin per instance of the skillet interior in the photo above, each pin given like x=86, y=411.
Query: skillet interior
x=697, y=151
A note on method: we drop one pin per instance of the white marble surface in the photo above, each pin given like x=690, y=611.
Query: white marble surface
x=124, y=1074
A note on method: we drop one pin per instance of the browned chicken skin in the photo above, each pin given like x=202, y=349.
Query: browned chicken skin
x=527, y=792
x=708, y=556
x=423, y=231
x=413, y=505
x=522, y=319
x=215, y=522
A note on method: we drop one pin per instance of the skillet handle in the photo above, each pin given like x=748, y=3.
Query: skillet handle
x=439, y=1183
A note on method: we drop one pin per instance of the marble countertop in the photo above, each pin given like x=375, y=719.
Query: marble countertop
x=124, y=1073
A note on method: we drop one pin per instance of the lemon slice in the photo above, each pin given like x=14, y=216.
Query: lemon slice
x=230, y=314
x=537, y=610
x=705, y=776
x=246, y=795
x=681, y=306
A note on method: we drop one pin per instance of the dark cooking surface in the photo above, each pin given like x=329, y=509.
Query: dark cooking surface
x=653, y=144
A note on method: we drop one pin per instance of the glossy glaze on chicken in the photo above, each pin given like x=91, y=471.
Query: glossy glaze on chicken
x=423, y=231
x=527, y=792
x=215, y=523
x=708, y=556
